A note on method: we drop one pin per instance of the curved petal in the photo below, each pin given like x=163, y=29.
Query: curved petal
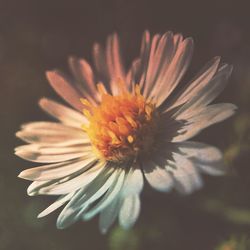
x=134, y=182
x=206, y=117
x=109, y=214
x=129, y=211
x=65, y=89
x=207, y=159
x=158, y=177
x=208, y=93
x=111, y=194
x=86, y=196
x=65, y=185
x=187, y=178
x=171, y=74
x=62, y=113
x=56, y=171
x=114, y=62
x=55, y=205
x=85, y=79
x=193, y=87
x=36, y=157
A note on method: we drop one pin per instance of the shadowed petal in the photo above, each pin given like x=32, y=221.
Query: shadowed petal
x=157, y=177
x=134, y=182
x=187, y=178
x=86, y=196
x=111, y=194
x=109, y=214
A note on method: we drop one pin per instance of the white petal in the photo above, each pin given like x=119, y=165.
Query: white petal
x=157, y=177
x=208, y=93
x=133, y=183
x=65, y=185
x=50, y=150
x=51, y=126
x=186, y=176
x=207, y=158
x=56, y=171
x=206, y=117
x=85, y=196
x=36, y=157
x=111, y=194
x=130, y=211
x=62, y=113
x=109, y=214
x=58, y=203
x=46, y=136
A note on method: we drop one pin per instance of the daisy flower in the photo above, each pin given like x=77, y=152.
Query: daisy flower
x=124, y=127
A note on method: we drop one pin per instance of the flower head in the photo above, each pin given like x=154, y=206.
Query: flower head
x=125, y=124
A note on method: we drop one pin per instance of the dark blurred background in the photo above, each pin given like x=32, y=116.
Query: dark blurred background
x=36, y=36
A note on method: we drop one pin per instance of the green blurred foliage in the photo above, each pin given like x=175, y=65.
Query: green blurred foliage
x=122, y=240
x=235, y=243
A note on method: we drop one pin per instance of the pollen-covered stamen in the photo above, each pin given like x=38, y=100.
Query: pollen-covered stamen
x=122, y=126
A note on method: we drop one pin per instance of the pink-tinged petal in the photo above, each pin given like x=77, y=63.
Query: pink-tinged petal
x=114, y=62
x=99, y=58
x=144, y=59
x=83, y=73
x=194, y=86
x=36, y=157
x=53, y=126
x=208, y=93
x=53, y=149
x=172, y=74
x=50, y=136
x=65, y=89
x=133, y=74
x=153, y=64
x=62, y=113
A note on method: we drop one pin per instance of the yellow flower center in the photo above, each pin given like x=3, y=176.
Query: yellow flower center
x=123, y=126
